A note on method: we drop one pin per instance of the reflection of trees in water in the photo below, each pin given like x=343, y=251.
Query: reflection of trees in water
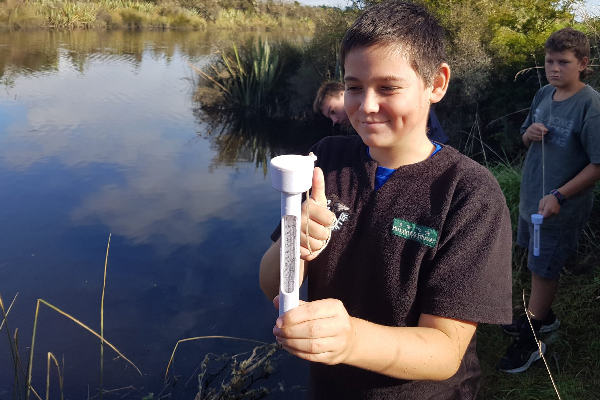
x=238, y=138
x=29, y=52
x=21, y=56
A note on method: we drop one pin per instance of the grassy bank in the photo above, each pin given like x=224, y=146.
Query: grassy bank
x=183, y=14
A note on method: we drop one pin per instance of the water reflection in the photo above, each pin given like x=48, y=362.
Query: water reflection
x=39, y=51
x=249, y=138
x=99, y=134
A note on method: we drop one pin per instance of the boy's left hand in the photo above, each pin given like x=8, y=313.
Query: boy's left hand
x=548, y=206
x=320, y=331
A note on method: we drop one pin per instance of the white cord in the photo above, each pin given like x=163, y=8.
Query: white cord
x=543, y=168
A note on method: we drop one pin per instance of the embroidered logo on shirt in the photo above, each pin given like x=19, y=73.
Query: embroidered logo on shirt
x=412, y=231
x=340, y=210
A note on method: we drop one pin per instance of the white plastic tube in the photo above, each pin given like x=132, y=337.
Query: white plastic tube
x=292, y=176
x=536, y=220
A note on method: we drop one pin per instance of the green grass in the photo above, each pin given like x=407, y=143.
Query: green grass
x=573, y=352
x=509, y=178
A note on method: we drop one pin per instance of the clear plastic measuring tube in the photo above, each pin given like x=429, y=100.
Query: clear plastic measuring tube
x=536, y=220
x=292, y=176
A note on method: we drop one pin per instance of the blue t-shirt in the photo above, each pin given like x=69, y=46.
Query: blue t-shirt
x=435, y=132
x=383, y=174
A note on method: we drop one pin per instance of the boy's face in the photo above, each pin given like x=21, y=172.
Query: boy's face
x=386, y=101
x=563, y=68
x=333, y=108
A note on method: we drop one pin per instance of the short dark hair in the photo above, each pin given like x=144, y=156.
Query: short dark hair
x=571, y=39
x=327, y=89
x=404, y=24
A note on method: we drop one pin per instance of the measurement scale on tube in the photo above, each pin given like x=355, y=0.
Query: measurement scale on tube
x=292, y=176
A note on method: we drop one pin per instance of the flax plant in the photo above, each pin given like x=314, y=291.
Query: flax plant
x=246, y=78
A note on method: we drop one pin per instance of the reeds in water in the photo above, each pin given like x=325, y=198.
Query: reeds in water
x=22, y=378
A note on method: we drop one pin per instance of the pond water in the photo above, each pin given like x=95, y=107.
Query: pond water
x=99, y=135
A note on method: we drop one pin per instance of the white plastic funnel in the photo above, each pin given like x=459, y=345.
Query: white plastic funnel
x=292, y=176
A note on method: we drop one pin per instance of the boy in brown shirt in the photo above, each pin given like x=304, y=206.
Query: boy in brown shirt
x=419, y=253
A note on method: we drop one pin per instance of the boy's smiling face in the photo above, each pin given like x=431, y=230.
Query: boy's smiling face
x=563, y=68
x=386, y=101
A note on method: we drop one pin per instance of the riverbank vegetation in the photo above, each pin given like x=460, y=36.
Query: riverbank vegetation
x=495, y=50
x=159, y=14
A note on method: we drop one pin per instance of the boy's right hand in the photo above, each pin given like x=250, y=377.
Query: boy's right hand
x=548, y=206
x=321, y=219
x=535, y=132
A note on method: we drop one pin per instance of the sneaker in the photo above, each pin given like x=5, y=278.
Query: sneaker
x=520, y=355
x=549, y=324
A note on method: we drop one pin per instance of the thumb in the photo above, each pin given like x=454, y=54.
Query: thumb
x=318, y=187
x=542, y=207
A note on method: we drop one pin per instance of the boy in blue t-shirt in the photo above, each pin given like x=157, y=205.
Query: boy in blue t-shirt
x=560, y=170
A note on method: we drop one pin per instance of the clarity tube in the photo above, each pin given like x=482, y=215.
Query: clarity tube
x=292, y=176
x=536, y=220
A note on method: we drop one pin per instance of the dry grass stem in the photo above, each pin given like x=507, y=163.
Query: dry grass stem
x=112, y=391
x=206, y=76
x=504, y=116
x=539, y=343
x=16, y=341
x=102, y=319
x=40, y=301
x=60, y=378
x=523, y=71
x=8, y=311
x=205, y=337
x=12, y=351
